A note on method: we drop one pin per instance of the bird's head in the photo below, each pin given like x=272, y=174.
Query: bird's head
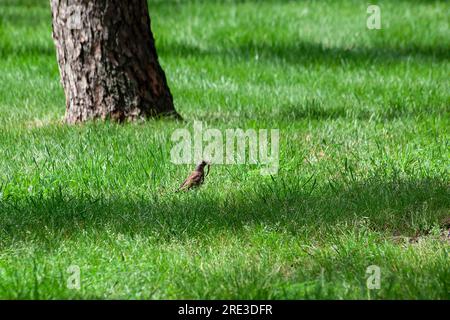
x=202, y=165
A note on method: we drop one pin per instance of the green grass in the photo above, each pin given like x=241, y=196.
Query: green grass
x=364, y=118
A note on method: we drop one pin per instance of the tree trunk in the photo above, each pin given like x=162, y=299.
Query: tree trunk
x=107, y=60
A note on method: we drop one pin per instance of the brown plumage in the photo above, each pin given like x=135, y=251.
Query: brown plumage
x=196, y=178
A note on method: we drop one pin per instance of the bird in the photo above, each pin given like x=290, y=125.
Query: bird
x=196, y=178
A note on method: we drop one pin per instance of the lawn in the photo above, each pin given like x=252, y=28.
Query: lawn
x=364, y=171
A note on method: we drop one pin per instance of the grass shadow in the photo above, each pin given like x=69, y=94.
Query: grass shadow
x=396, y=206
x=315, y=110
x=308, y=53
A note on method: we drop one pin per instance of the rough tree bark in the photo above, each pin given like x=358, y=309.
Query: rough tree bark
x=107, y=60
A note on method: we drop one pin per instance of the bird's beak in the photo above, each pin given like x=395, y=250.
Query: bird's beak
x=209, y=165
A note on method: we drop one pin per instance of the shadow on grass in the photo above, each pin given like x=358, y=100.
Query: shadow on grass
x=308, y=53
x=313, y=109
x=295, y=206
x=177, y=3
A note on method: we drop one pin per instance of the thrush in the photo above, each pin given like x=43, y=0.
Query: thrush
x=196, y=178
